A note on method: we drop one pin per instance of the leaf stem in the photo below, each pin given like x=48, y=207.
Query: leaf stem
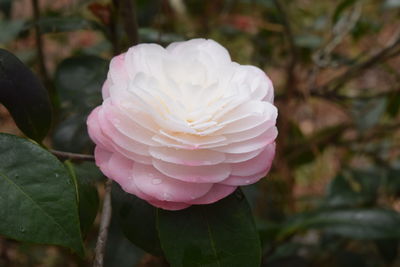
x=104, y=225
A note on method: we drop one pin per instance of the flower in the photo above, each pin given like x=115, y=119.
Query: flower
x=183, y=125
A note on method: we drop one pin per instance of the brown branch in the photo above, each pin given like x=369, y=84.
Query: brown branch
x=39, y=50
x=128, y=15
x=104, y=225
x=72, y=156
x=391, y=50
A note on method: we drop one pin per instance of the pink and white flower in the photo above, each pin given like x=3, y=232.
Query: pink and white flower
x=183, y=125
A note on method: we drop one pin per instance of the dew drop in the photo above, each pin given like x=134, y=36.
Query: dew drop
x=57, y=175
x=247, y=181
x=156, y=181
x=22, y=230
x=166, y=196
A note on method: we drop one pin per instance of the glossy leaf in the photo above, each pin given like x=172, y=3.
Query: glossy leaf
x=24, y=96
x=137, y=219
x=221, y=234
x=37, y=198
x=5, y=7
x=79, y=80
x=87, y=195
x=72, y=135
x=119, y=250
x=65, y=24
x=363, y=224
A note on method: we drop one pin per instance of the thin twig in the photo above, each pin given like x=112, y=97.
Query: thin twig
x=39, y=49
x=128, y=15
x=104, y=225
x=72, y=156
x=391, y=50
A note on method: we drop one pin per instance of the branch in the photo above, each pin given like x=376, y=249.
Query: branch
x=104, y=225
x=287, y=30
x=391, y=50
x=128, y=14
x=39, y=50
x=72, y=156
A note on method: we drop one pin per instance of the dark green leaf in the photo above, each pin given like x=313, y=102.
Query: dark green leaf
x=354, y=188
x=65, y=24
x=88, y=198
x=24, y=96
x=37, y=198
x=79, y=81
x=221, y=234
x=388, y=248
x=391, y=4
x=137, y=219
x=5, y=7
x=10, y=30
x=366, y=113
x=119, y=250
x=71, y=135
x=393, y=105
x=363, y=224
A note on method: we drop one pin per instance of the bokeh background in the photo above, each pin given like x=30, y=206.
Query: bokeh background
x=333, y=195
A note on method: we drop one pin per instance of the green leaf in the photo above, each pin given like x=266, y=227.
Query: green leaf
x=65, y=24
x=391, y=4
x=137, y=219
x=366, y=113
x=393, y=106
x=79, y=81
x=354, y=188
x=72, y=135
x=362, y=224
x=37, y=198
x=119, y=250
x=5, y=7
x=10, y=30
x=221, y=234
x=388, y=249
x=24, y=96
x=88, y=198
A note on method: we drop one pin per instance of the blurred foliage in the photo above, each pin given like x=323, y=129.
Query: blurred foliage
x=333, y=195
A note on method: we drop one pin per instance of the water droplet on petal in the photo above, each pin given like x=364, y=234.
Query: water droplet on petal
x=156, y=181
x=166, y=196
x=247, y=181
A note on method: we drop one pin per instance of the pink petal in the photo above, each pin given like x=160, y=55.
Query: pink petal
x=250, y=145
x=217, y=192
x=168, y=205
x=256, y=164
x=155, y=184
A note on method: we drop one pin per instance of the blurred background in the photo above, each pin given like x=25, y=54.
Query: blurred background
x=333, y=195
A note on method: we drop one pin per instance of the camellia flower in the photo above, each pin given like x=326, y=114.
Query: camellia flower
x=183, y=125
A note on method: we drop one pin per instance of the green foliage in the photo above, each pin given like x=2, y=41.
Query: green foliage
x=220, y=234
x=25, y=98
x=78, y=81
x=84, y=177
x=38, y=199
x=137, y=220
